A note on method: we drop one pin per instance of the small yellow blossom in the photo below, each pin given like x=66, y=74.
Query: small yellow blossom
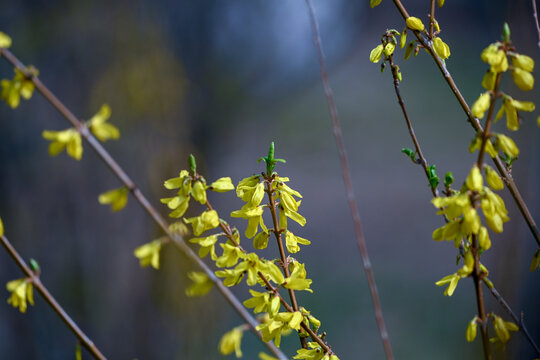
x=523, y=79
x=488, y=82
x=206, y=221
x=297, y=280
x=263, y=356
x=1, y=227
x=415, y=23
x=148, y=254
x=483, y=239
x=21, y=292
x=389, y=48
x=5, y=40
x=201, y=284
x=199, y=192
x=495, y=57
x=403, y=39
x=374, y=3
x=231, y=341
x=535, y=263
x=260, y=241
x=470, y=334
x=20, y=85
x=179, y=228
x=507, y=145
x=493, y=179
x=474, y=180
x=223, y=184
x=481, y=105
x=452, y=281
x=523, y=62
x=503, y=328
x=117, y=198
x=231, y=255
x=254, y=217
x=376, y=54
x=99, y=126
x=292, y=242
x=441, y=48
x=68, y=139
x=208, y=246
x=511, y=107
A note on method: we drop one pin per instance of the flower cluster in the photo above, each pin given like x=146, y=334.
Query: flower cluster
x=235, y=263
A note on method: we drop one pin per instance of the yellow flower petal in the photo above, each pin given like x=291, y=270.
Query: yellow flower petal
x=5, y=40
x=415, y=23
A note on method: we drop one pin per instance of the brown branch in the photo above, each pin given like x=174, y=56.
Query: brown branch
x=535, y=15
x=42, y=289
x=423, y=160
x=277, y=233
x=176, y=239
x=346, y=173
x=476, y=125
x=431, y=19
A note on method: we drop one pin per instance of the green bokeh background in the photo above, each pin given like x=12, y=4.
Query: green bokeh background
x=221, y=79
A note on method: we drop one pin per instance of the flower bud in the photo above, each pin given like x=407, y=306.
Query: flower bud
x=441, y=48
x=523, y=79
x=375, y=55
x=415, y=23
x=523, y=62
x=493, y=178
x=481, y=105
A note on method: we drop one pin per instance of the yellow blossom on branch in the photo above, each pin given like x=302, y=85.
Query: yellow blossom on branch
x=117, y=198
x=68, y=139
x=201, y=284
x=99, y=126
x=5, y=40
x=206, y=221
x=415, y=23
x=231, y=342
x=223, y=184
x=441, y=48
x=21, y=292
x=20, y=85
x=148, y=254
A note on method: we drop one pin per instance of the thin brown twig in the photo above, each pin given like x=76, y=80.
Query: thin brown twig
x=42, y=289
x=535, y=15
x=346, y=173
x=490, y=286
x=507, y=177
x=277, y=233
x=176, y=239
x=431, y=19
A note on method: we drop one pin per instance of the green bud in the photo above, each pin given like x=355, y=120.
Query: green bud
x=34, y=265
x=448, y=179
x=506, y=32
x=192, y=163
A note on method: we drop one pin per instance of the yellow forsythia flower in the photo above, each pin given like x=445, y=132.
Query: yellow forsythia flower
x=12, y=90
x=523, y=79
x=199, y=192
x=470, y=334
x=374, y=3
x=389, y=49
x=523, y=62
x=117, y=198
x=260, y=241
x=231, y=341
x=495, y=57
x=403, y=39
x=68, y=139
x=5, y=40
x=223, y=184
x=100, y=127
x=179, y=228
x=374, y=56
x=510, y=108
x=483, y=239
x=148, y=254
x=292, y=242
x=474, y=180
x=441, y=48
x=452, y=281
x=1, y=227
x=440, y=3
x=415, y=23
x=201, y=284
x=481, y=105
x=488, y=82
x=493, y=178
x=21, y=291
x=206, y=221
x=535, y=263
x=254, y=217
x=297, y=280
x=503, y=328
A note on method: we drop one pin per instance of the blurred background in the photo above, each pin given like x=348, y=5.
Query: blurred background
x=221, y=79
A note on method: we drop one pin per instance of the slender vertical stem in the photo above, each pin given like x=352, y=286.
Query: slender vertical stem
x=42, y=289
x=176, y=239
x=485, y=133
x=348, y=185
x=277, y=233
x=477, y=278
x=535, y=15
x=431, y=19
